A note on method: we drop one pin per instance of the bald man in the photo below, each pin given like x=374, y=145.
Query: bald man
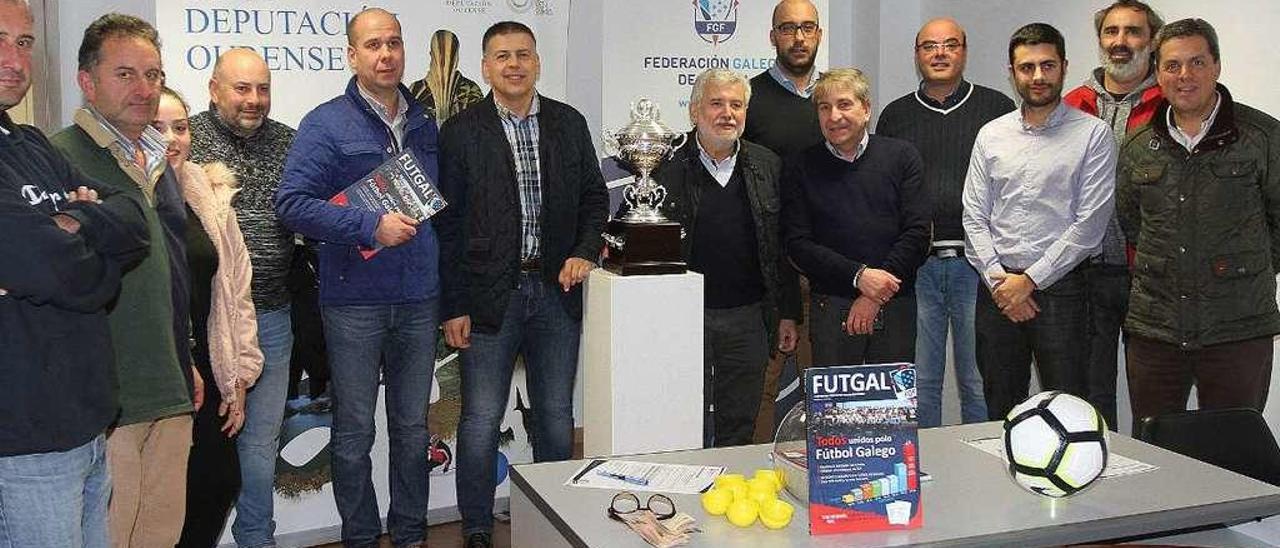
x=782, y=117
x=942, y=118
x=237, y=132
x=381, y=315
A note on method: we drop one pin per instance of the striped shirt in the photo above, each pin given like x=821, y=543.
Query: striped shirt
x=522, y=134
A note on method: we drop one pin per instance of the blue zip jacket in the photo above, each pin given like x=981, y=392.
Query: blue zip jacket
x=338, y=143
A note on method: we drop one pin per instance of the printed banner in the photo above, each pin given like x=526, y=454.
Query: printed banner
x=304, y=42
x=656, y=49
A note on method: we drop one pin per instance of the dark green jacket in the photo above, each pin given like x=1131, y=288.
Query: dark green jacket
x=1206, y=225
x=760, y=171
x=145, y=318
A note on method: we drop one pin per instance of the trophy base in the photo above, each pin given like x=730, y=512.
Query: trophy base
x=648, y=248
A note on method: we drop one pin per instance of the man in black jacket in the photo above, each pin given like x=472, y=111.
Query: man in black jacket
x=523, y=229
x=724, y=191
x=65, y=246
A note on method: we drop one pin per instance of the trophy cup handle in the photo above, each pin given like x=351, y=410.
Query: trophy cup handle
x=676, y=144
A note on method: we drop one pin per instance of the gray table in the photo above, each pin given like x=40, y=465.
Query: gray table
x=969, y=502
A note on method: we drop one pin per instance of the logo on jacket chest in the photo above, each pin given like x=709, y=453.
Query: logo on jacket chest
x=37, y=196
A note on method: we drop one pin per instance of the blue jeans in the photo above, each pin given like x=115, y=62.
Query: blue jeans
x=397, y=343
x=536, y=326
x=946, y=294
x=56, y=499
x=258, y=444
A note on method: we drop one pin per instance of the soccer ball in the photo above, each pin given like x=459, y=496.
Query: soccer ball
x=1055, y=444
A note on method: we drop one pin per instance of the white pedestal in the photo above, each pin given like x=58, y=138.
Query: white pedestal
x=642, y=363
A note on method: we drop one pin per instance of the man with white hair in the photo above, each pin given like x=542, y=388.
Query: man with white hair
x=724, y=191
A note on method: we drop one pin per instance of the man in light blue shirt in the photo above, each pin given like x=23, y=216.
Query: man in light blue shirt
x=1037, y=199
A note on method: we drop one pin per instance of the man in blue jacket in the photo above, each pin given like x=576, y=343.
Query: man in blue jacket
x=527, y=206
x=380, y=314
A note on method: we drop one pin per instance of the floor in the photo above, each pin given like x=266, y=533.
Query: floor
x=449, y=535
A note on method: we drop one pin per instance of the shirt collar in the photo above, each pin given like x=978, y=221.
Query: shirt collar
x=504, y=112
x=961, y=91
x=402, y=105
x=1185, y=139
x=1055, y=117
x=151, y=143
x=857, y=153
x=776, y=72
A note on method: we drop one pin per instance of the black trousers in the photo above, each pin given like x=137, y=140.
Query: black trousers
x=1108, y=303
x=1057, y=339
x=893, y=340
x=735, y=347
x=213, y=472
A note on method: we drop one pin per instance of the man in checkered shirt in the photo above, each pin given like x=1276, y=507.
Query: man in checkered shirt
x=527, y=207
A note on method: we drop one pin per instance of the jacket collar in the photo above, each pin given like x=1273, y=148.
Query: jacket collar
x=415, y=117
x=1223, y=132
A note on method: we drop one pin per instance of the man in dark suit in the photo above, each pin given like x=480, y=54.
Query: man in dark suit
x=521, y=233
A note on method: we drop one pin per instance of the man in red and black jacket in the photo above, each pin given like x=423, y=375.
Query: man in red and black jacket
x=1122, y=92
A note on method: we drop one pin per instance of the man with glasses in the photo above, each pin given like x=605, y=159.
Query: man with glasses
x=1037, y=199
x=782, y=117
x=942, y=118
x=112, y=141
x=783, y=120
x=1199, y=196
x=1122, y=92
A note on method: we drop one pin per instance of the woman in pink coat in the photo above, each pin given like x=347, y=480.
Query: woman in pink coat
x=224, y=340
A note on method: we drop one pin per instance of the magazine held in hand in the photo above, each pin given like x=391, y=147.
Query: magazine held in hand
x=399, y=185
x=862, y=448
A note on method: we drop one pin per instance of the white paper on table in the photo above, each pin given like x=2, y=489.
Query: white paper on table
x=645, y=476
x=1117, y=464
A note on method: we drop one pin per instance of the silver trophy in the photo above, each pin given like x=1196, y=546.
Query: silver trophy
x=643, y=144
x=643, y=240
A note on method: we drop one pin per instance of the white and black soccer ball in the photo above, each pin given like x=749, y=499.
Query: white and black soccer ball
x=1055, y=444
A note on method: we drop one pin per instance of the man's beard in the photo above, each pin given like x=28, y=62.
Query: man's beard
x=1137, y=66
x=798, y=69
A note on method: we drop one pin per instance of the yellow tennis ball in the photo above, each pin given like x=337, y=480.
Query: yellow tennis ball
x=717, y=501
x=761, y=491
x=726, y=479
x=739, y=490
x=743, y=512
x=776, y=513
x=772, y=476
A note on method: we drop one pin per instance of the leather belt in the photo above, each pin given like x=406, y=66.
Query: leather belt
x=947, y=252
x=531, y=265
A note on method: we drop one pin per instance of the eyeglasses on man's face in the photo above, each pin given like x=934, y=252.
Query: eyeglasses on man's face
x=950, y=46
x=809, y=28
